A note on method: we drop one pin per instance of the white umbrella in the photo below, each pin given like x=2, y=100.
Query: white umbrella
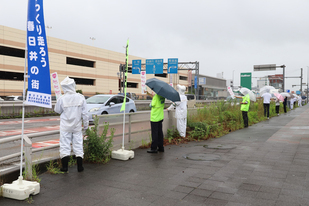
x=267, y=89
x=246, y=91
x=285, y=94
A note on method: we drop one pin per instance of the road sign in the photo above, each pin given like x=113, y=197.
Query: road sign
x=195, y=82
x=154, y=66
x=136, y=66
x=245, y=80
x=202, y=81
x=172, y=66
x=264, y=67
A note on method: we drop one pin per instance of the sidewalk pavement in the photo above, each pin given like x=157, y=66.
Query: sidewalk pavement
x=268, y=166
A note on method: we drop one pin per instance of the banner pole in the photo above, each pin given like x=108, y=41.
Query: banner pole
x=23, y=109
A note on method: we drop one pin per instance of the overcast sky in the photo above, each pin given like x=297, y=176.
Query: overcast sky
x=222, y=35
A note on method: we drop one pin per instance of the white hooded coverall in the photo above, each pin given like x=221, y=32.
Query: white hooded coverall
x=299, y=101
x=72, y=107
x=181, y=111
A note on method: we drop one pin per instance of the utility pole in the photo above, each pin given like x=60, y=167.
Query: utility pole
x=301, y=80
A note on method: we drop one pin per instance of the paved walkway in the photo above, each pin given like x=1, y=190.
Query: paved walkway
x=268, y=166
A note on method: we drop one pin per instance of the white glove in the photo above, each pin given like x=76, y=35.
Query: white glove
x=85, y=127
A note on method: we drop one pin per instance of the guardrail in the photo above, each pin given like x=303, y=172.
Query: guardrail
x=14, y=108
x=137, y=133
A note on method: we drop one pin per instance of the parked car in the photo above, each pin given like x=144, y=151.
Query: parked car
x=191, y=100
x=14, y=98
x=107, y=104
x=231, y=100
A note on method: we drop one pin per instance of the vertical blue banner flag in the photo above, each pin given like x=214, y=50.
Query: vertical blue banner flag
x=123, y=107
x=39, y=89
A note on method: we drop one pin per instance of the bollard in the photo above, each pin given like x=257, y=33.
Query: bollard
x=28, y=157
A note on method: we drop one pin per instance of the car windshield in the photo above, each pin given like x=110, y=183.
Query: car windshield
x=190, y=96
x=97, y=99
x=10, y=98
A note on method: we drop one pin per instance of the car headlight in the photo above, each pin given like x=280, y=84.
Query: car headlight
x=94, y=109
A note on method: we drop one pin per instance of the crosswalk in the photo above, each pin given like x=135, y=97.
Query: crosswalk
x=27, y=131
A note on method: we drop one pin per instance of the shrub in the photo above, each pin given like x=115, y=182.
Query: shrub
x=97, y=148
x=171, y=134
x=53, y=168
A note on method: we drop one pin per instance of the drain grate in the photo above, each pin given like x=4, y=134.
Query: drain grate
x=219, y=146
x=201, y=157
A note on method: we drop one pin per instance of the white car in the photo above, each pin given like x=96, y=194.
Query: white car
x=14, y=98
x=107, y=104
x=232, y=101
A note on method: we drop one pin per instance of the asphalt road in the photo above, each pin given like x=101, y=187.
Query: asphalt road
x=13, y=127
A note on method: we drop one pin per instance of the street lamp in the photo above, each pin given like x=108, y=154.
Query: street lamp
x=92, y=38
x=48, y=28
x=233, y=80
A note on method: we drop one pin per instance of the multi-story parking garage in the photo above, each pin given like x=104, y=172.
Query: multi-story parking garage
x=95, y=70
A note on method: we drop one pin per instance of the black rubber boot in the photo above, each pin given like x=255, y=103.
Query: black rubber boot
x=80, y=167
x=65, y=162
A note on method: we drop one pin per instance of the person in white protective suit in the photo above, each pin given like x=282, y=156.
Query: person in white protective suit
x=292, y=103
x=72, y=107
x=181, y=111
x=299, y=99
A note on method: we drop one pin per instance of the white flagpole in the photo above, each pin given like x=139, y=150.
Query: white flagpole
x=123, y=154
x=23, y=110
x=21, y=189
x=124, y=118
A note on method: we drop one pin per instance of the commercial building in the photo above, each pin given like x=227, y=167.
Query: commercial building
x=276, y=81
x=261, y=82
x=95, y=70
x=211, y=87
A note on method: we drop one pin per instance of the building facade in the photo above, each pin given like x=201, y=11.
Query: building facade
x=211, y=87
x=95, y=70
x=276, y=81
x=261, y=82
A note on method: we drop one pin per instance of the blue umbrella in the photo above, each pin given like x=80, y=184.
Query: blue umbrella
x=163, y=89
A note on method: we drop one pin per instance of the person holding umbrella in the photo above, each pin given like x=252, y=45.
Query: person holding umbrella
x=266, y=102
x=181, y=111
x=299, y=101
x=277, y=101
x=156, y=119
x=162, y=90
x=292, y=102
x=285, y=103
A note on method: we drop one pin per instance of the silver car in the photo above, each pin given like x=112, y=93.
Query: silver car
x=107, y=104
